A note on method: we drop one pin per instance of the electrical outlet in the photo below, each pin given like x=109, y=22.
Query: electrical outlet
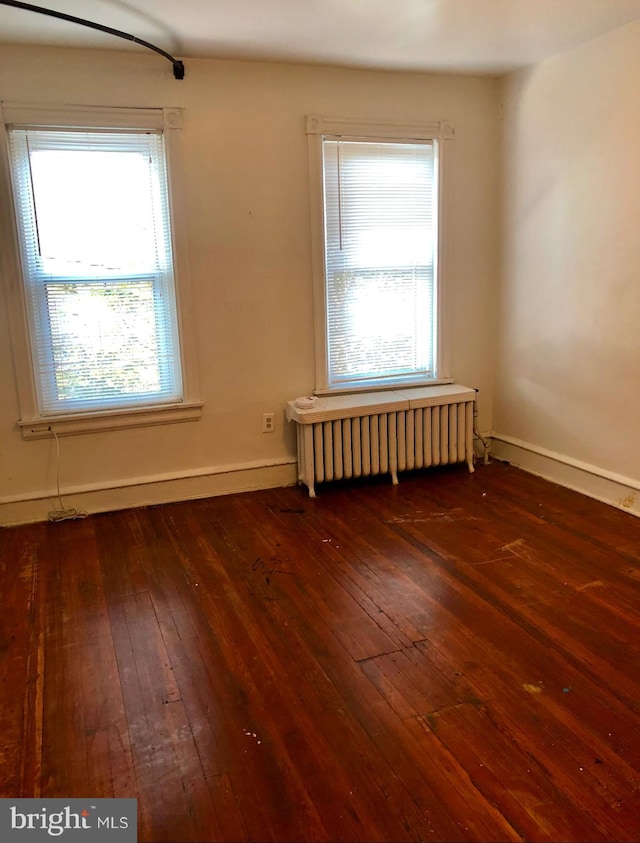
x=268, y=422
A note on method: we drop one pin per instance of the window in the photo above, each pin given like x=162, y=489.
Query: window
x=95, y=241
x=377, y=257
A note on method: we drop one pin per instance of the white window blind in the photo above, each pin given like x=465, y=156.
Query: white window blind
x=94, y=230
x=380, y=205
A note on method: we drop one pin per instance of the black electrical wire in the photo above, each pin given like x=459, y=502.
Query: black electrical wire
x=178, y=66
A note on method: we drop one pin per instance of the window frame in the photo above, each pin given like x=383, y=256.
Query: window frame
x=32, y=422
x=317, y=128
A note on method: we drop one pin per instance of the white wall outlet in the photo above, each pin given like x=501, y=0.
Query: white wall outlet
x=268, y=422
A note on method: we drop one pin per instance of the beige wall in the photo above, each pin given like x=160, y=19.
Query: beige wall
x=249, y=248
x=568, y=376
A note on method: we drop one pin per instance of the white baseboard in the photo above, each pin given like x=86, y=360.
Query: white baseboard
x=147, y=491
x=614, y=489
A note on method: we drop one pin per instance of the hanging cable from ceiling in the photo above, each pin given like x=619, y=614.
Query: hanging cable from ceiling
x=178, y=66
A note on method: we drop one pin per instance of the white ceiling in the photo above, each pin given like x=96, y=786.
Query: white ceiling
x=486, y=36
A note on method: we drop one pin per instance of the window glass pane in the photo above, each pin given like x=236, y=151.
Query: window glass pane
x=104, y=339
x=378, y=325
x=115, y=232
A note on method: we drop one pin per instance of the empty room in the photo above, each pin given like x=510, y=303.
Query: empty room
x=319, y=419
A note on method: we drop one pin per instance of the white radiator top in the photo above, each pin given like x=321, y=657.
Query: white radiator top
x=331, y=407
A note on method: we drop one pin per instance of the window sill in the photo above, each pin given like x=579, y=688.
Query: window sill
x=373, y=386
x=64, y=425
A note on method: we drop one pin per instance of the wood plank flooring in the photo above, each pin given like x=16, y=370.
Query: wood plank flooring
x=452, y=659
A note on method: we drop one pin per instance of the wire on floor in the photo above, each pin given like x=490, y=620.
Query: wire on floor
x=484, y=442
x=65, y=513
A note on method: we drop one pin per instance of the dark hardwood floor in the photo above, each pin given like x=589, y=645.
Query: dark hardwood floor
x=455, y=658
